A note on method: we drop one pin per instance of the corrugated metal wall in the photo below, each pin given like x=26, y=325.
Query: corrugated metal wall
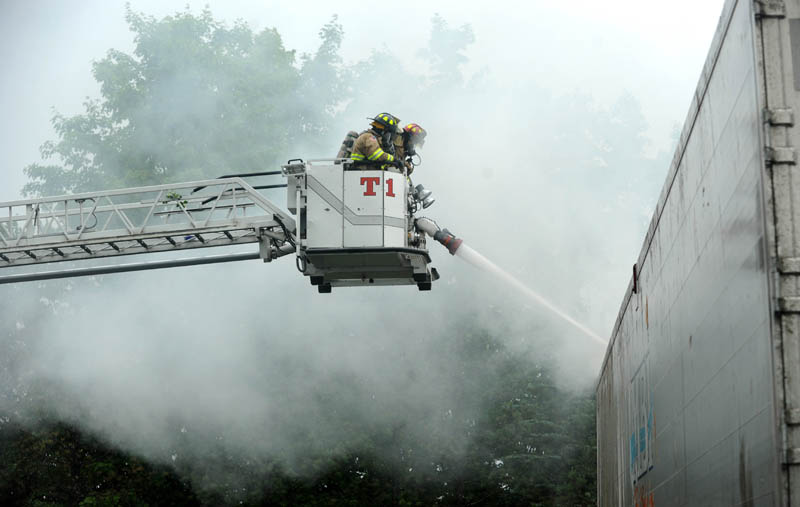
x=686, y=411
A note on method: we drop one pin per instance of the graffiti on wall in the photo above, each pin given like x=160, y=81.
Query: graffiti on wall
x=640, y=420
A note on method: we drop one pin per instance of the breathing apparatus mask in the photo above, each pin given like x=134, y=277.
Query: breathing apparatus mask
x=386, y=140
x=411, y=142
x=385, y=136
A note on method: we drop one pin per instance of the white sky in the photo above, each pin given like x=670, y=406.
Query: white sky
x=654, y=50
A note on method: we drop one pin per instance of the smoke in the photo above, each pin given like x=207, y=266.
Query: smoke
x=247, y=359
x=195, y=364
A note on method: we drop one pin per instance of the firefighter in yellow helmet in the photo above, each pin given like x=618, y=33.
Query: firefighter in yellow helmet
x=374, y=146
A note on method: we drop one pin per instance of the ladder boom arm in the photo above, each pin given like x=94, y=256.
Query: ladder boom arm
x=151, y=219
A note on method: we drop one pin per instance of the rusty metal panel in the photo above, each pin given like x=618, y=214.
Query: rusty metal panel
x=607, y=444
x=686, y=399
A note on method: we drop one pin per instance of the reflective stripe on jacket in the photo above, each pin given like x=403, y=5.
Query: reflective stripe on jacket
x=367, y=147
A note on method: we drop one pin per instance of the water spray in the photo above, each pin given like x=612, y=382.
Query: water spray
x=457, y=247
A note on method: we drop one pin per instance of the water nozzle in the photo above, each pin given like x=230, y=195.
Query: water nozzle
x=447, y=239
x=443, y=236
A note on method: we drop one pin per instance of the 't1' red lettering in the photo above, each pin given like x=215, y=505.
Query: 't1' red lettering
x=370, y=182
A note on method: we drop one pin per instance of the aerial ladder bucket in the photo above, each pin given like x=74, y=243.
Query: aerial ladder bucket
x=356, y=226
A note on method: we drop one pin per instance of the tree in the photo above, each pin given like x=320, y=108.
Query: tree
x=445, y=51
x=195, y=99
x=57, y=465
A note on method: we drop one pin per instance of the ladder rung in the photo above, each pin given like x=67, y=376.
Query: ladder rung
x=59, y=252
x=141, y=242
x=86, y=249
x=112, y=245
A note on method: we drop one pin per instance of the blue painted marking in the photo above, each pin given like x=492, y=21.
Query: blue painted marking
x=642, y=439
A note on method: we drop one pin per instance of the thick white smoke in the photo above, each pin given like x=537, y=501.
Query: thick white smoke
x=249, y=359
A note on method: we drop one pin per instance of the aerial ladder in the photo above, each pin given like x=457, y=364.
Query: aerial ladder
x=345, y=226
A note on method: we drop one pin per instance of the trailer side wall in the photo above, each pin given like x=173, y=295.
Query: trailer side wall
x=686, y=404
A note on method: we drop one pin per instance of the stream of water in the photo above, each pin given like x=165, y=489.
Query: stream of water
x=468, y=254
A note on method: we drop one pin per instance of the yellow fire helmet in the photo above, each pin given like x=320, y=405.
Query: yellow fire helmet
x=385, y=121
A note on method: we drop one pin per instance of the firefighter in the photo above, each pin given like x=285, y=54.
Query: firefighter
x=406, y=143
x=375, y=145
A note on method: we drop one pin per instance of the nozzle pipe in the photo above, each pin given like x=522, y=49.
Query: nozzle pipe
x=443, y=236
x=447, y=239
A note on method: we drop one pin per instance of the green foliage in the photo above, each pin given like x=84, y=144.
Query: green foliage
x=324, y=81
x=177, y=198
x=195, y=99
x=445, y=51
x=534, y=445
x=57, y=465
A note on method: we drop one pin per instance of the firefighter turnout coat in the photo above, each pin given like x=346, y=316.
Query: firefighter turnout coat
x=367, y=148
